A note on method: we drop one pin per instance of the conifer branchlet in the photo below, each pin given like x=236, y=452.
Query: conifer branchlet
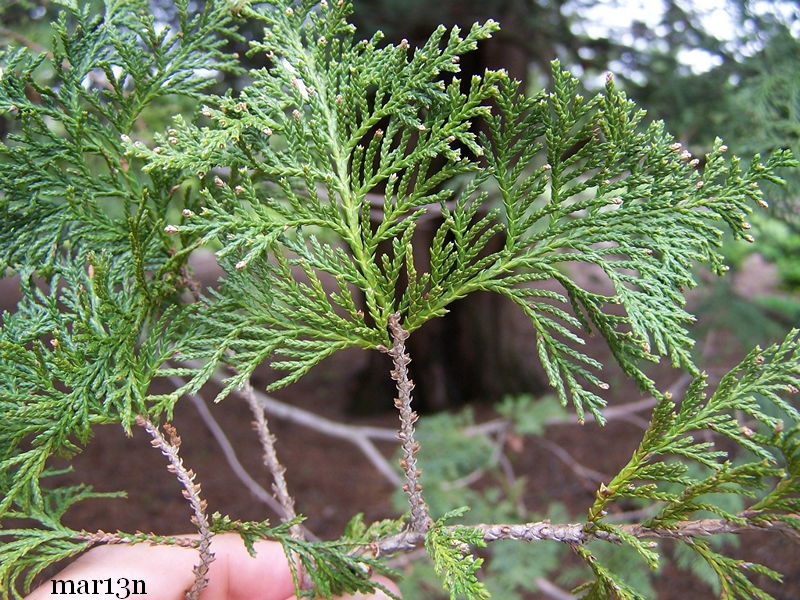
x=309, y=183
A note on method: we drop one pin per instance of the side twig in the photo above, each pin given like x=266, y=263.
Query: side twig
x=359, y=435
x=277, y=470
x=551, y=590
x=589, y=477
x=105, y=537
x=232, y=459
x=420, y=519
x=191, y=491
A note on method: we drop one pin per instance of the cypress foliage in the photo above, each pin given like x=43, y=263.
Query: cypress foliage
x=284, y=177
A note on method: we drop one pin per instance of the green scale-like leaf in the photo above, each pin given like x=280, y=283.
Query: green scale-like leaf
x=322, y=128
x=306, y=144
x=83, y=229
x=72, y=359
x=311, y=182
x=66, y=162
x=764, y=377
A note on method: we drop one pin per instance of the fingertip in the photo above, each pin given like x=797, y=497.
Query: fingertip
x=377, y=594
x=265, y=575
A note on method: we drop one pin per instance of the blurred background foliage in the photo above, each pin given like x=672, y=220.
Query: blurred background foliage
x=727, y=68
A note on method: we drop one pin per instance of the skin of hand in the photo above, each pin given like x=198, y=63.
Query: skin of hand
x=167, y=572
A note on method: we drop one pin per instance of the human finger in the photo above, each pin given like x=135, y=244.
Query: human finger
x=165, y=572
x=377, y=595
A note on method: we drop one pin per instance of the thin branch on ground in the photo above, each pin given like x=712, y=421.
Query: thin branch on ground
x=316, y=422
x=281, y=410
x=494, y=459
x=420, y=518
x=360, y=435
x=611, y=413
x=624, y=410
x=588, y=476
x=511, y=479
x=636, y=421
x=363, y=435
x=191, y=491
x=378, y=460
x=228, y=451
x=551, y=590
x=22, y=40
x=271, y=461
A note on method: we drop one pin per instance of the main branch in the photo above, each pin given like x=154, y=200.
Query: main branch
x=420, y=519
x=580, y=533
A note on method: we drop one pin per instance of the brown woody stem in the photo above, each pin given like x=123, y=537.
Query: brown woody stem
x=275, y=467
x=191, y=491
x=579, y=533
x=105, y=537
x=420, y=518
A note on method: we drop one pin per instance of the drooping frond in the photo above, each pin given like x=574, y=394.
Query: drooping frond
x=72, y=357
x=338, y=148
x=739, y=409
x=612, y=194
x=25, y=552
x=83, y=229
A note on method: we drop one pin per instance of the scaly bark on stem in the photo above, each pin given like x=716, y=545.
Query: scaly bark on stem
x=191, y=491
x=271, y=460
x=578, y=533
x=420, y=518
